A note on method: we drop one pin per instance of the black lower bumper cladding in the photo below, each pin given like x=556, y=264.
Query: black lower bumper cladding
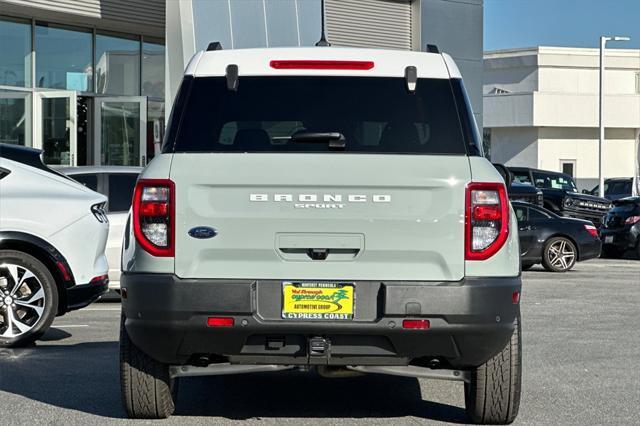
x=469, y=322
x=83, y=295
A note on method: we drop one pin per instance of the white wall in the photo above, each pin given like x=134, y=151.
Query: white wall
x=515, y=146
x=556, y=144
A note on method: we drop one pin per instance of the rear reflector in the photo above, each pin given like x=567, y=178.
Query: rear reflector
x=220, y=322
x=63, y=270
x=515, y=297
x=100, y=279
x=416, y=324
x=321, y=65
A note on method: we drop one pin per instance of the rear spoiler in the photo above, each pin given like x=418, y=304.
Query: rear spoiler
x=28, y=156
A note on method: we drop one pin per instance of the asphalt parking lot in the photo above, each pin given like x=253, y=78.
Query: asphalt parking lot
x=581, y=366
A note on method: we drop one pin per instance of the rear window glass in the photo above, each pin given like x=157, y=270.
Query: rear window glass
x=543, y=180
x=625, y=208
x=374, y=115
x=521, y=177
x=121, y=188
x=90, y=181
x=618, y=187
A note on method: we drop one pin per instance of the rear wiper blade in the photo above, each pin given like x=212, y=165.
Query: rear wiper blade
x=336, y=139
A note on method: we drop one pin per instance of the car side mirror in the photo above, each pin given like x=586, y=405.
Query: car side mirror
x=505, y=173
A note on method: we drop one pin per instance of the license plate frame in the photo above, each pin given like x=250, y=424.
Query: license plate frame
x=324, y=301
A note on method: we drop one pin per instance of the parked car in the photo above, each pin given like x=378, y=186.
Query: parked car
x=280, y=228
x=117, y=183
x=614, y=188
x=561, y=196
x=519, y=191
x=556, y=242
x=525, y=193
x=621, y=228
x=53, y=233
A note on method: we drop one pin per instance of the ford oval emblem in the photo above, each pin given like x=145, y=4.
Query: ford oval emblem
x=202, y=232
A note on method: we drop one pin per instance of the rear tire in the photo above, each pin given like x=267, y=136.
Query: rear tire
x=148, y=392
x=559, y=255
x=493, y=395
x=32, y=305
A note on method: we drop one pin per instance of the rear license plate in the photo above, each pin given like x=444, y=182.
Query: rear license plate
x=608, y=239
x=318, y=301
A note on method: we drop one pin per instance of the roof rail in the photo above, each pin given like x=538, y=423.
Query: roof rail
x=214, y=45
x=432, y=48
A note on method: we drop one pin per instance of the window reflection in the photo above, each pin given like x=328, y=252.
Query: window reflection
x=117, y=65
x=153, y=70
x=15, y=53
x=63, y=58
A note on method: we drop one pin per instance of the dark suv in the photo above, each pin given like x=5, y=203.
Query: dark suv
x=621, y=228
x=614, y=188
x=561, y=196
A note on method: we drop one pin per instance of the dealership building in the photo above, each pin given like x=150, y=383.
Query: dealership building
x=90, y=81
x=541, y=110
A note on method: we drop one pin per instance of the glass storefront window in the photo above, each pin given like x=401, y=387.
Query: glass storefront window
x=120, y=135
x=63, y=58
x=153, y=70
x=117, y=65
x=155, y=128
x=15, y=118
x=15, y=53
x=56, y=131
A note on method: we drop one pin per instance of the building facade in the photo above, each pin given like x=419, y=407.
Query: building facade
x=541, y=110
x=87, y=81
x=83, y=80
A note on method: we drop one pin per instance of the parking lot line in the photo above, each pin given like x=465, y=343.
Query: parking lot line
x=71, y=325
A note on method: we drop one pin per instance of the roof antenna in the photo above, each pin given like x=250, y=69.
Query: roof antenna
x=323, y=39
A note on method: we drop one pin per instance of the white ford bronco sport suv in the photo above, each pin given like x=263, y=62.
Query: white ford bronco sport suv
x=325, y=208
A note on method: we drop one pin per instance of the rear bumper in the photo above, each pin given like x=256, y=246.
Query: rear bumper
x=471, y=321
x=590, y=248
x=622, y=238
x=83, y=295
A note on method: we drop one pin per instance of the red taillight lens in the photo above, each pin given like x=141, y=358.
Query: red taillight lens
x=632, y=220
x=63, y=270
x=321, y=65
x=154, y=216
x=486, y=213
x=515, y=297
x=220, y=322
x=486, y=219
x=416, y=324
x=591, y=230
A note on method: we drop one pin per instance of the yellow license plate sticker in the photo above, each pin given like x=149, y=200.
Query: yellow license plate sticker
x=318, y=301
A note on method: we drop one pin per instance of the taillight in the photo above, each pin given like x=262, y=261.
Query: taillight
x=632, y=220
x=154, y=216
x=99, y=212
x=592, y=230
x=486, y=219
x=321, y=65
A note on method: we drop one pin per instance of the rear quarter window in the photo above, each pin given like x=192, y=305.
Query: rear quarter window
x=88, y=180
x=375, y=115
x=121, y=186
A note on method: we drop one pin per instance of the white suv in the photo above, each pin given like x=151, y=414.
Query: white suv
x=53, y=233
